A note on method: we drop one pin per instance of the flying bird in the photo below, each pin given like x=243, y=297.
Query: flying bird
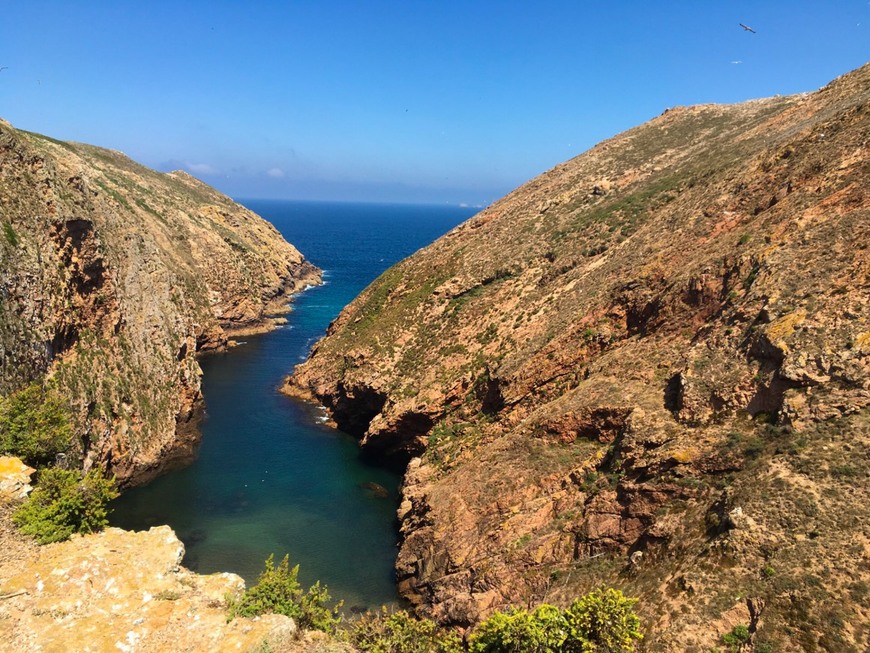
x=747, y=28
x=2, y=68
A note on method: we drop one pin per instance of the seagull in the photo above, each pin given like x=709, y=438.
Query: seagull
x=747, y=28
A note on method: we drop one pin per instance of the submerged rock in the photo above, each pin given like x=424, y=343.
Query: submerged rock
x=375, y=489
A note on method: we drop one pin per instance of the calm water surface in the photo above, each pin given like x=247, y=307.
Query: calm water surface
x=270, y=478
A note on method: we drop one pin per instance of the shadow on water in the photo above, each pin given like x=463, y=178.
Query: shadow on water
x=270, y=477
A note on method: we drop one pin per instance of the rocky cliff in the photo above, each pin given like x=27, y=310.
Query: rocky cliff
x=647, y=367
x=112, y=278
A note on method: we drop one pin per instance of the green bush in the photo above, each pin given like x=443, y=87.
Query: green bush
x=278, y=591
x=34, y=425
x=737, y=638
x=11, y=236
x=63, y=502
x=602, y=621
x=399, y=632
x=518, y=631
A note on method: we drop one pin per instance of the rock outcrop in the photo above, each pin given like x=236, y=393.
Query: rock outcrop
x=125, y=591
x=14, y=479
x=112, y=278
x=661, y=346
x=122, y=591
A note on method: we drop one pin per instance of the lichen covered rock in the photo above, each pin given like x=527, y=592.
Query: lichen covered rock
x=14, y=479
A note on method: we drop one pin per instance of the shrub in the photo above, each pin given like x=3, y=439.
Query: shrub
x=64, y=503
x=519, y=631
x=601, y=621
x=737, y=638
x=278, y=591
x=11, y=236
x=34, y=425
x=399, y=632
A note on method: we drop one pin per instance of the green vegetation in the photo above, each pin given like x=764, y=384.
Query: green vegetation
x=120, y=199
x=737, y=638
x=541, y=631
x=34, y=425
x=603, y=620
x=64, y=503
x=278, y=591
x=399, y=632
x=11, y=236
x=63, y=144
x=167, y=595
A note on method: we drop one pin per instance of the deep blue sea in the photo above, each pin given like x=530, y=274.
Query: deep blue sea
x=270, y=477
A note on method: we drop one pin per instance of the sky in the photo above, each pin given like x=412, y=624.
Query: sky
x=445, y=101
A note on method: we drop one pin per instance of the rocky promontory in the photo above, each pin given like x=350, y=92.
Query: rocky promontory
x=648, y=367
x=112, y=278
x=120, y=591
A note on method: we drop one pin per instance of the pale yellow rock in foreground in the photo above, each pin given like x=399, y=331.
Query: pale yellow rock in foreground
x=125, y=591
x=14, y=478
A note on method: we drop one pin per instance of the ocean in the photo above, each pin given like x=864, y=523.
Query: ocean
x=270, y=477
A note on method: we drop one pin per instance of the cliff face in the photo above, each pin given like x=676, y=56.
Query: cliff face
x=113, y=277
x=647, y=367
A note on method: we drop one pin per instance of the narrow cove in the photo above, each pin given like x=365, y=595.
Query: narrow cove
x=270, y=477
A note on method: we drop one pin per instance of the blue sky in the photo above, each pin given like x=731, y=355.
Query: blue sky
x=436, y=101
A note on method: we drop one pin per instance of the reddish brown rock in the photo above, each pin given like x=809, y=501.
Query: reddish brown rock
x=580, y=371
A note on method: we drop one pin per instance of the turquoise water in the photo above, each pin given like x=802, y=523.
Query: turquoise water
x=270, y=478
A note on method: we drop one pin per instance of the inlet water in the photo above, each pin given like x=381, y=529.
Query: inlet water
x=270, y=478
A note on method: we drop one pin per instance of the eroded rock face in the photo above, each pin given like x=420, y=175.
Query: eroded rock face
x=580, y=371
x=125, y=591
x=112, y=278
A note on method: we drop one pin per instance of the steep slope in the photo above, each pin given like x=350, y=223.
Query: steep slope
x=647, y=367
x=112, y=277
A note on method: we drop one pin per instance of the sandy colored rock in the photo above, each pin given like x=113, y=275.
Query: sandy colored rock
x=14, y=479
x=125, y=591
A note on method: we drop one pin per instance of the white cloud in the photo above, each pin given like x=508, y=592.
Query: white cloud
x=275, y=173
x=201, y=168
